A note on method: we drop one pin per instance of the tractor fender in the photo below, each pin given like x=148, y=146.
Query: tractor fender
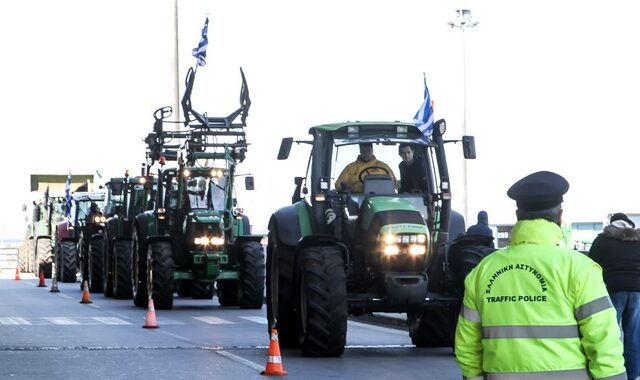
x=64, y=232
x=292, y=223
x=118, y=228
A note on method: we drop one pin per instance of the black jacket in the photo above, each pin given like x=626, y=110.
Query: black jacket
x=413, y=178
x=617, y=250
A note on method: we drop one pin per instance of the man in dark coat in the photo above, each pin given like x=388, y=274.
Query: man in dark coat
x=617, y=250
x=413, y=175
x=482, y=226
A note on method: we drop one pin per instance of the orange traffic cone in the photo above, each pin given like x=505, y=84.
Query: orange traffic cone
x=86, y=298
x=150, y=320
x=41, y=284
x=274, y=362
x=17, y=273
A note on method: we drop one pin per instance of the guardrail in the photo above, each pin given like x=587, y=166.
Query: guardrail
x=8, y=258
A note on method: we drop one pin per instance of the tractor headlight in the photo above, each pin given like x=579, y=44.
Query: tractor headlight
x=395, y=244
x=99, y=219
x=205, y=240
x=391, y=250
x=417, y=249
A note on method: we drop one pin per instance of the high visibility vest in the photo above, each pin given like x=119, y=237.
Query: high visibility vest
x=536, y=310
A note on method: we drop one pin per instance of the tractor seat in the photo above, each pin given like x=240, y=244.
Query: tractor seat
x=378, y=184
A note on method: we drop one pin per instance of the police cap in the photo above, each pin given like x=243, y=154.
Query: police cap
x=539, y=191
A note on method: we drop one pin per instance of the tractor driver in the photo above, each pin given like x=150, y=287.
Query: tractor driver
x=352, y=176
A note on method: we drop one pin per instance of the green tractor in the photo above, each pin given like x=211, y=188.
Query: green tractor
x=196, y=241
x=79, y=241
x=126, y=197
x=334, y=253
x=47, y=211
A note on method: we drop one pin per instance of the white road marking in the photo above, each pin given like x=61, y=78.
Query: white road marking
x=111, y=321
x=260, y=320
x=240, y=360
x=214, y=320
x=61, y=321
x=14, y=321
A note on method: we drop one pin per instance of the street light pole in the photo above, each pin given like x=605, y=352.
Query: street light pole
x=464, y=21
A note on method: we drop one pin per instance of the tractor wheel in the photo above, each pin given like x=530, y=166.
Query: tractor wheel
x=228, y=293
x=107, y=268
x=24, y=252
x=68, y=261
x=201, y=290
x=279, y=284
x=433, y=327
x=44, y=257
x=83, y=260
x=96, y=263
x=122, y=288
x=252, y=275
x=322, y=300
x=160, y=274
x=139, y=271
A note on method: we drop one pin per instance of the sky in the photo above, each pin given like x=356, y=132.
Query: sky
x=550, y=85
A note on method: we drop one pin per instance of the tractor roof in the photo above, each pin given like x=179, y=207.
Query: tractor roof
x=373, y=131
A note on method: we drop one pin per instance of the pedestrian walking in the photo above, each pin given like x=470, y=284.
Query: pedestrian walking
x=617, y=250
x=537, y=310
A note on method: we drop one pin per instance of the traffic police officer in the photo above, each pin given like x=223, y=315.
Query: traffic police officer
x=536, y=310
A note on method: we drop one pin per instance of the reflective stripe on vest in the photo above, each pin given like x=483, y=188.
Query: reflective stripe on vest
x=470, y=314
x=595, y=306
x=534, y=332
x=572, y=374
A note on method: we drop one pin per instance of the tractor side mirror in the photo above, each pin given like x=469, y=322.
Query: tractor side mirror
x=285, y=148
x=248, y=182
x=469, y=147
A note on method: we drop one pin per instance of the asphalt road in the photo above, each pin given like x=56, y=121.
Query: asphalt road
x=47, y=335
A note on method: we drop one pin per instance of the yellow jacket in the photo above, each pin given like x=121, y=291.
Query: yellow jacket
x=539, y=309
x=350, y=174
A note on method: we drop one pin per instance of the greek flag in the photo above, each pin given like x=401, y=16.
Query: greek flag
x=201, y=51
x=424, y=116
x=67, y=195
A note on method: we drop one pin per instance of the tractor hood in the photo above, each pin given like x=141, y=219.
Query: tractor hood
x=205, y=216
x=385, y=214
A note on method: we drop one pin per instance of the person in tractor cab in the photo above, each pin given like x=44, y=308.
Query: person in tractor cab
x=413, y=175
x=352, y=177
x=93, y=211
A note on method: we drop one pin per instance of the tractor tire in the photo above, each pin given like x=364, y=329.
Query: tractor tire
x=279, y=283
x=433, y=327
x=139, y=271
x=44, y=257
x=83, y=260
x=252, y=275
x=322, y=300
x=107, y=268
x=228, y=293
x=24, y=252
x=201, y=291
x=160, y=274
x=122, y=288
x=96, y=264
x=68, y=261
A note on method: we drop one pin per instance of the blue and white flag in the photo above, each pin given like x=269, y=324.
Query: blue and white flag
x=201, y=51
x=424, y=116
x=67, y=195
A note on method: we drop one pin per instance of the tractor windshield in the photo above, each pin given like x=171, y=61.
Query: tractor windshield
x=381, y=173
x=81, y=209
